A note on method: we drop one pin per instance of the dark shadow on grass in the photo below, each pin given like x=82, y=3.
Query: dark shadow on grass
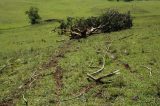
x=41, y=23
x=16, y=27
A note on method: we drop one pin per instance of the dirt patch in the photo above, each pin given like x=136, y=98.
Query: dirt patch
x=52, y=63
x=58, y=76
x=87, y=88
x=83, y=90
x=7, y=103
x=61, y=51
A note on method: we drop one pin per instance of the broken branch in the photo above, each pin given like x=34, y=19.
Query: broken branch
x=101, y=69
x=109, y=75
x=25, y=100
x=105, y=76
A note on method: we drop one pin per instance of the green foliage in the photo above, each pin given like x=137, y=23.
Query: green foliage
x=114, y=21
x=110, y=21
x=33, y=15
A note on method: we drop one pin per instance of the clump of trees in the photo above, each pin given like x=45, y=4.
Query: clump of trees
x=111, y=20
x=33, y=15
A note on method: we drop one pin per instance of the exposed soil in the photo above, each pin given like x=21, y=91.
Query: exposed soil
x=7, y=103
x=87, y=88
x=62, y=50
x=58, y=76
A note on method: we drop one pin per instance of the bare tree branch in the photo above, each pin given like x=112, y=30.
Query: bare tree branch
x=101, y=69
x=25, y=100
x=102, y=77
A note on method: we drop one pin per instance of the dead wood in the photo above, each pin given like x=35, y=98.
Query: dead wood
x=99, y=80
x=25, y=100
x=101, y=69
x=102, y=77
x=31, y=82
x=109, y=75
x=110, y=21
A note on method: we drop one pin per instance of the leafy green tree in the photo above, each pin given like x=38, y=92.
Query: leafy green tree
x=33, y=15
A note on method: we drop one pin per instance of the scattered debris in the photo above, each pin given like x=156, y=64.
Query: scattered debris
x=99, y=80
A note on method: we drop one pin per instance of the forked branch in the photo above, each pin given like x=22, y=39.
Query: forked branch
x=104, y=76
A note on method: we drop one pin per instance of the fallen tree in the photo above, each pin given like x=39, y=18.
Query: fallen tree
x=110, y=21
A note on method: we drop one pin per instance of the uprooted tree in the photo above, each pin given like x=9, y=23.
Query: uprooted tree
x=110, y=21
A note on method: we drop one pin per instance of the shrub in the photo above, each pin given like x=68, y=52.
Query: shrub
x=110, y=21
x=33, y=15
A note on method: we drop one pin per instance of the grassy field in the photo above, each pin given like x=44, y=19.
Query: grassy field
x=48, y=69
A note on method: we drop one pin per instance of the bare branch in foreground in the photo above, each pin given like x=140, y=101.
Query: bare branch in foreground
x=101, y=69
x=105, y=76
x=25, y=100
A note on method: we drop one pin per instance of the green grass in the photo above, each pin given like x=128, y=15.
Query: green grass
x=23, y=48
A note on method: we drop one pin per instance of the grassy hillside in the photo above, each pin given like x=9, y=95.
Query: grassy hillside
x=48, y=69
